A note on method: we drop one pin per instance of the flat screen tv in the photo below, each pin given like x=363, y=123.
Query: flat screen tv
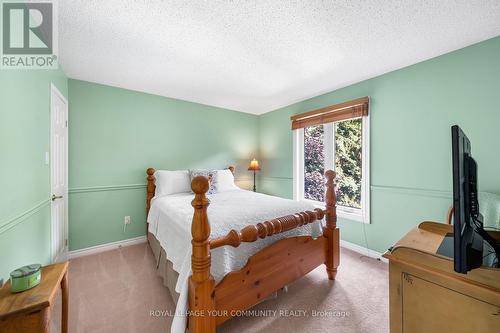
x=468, y=232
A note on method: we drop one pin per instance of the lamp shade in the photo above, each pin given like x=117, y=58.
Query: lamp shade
x=254, y=165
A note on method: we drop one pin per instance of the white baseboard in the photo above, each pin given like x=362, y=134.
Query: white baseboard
x=143, y=239
x=363, y=250
x=106, y=247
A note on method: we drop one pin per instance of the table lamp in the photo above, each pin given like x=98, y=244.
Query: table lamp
x=254, y=166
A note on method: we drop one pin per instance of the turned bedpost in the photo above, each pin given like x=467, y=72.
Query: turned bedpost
x=331, y=232
x=232, y=168
x=150, y=188
x=150, y=193
x=201, y=282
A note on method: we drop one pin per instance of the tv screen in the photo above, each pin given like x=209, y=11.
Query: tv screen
x=468, y=232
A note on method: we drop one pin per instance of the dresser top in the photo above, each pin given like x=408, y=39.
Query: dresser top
x=419, y=248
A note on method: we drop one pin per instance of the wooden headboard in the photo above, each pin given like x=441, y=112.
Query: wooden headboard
x=151, y=187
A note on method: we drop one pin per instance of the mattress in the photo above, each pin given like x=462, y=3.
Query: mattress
x=170, y=220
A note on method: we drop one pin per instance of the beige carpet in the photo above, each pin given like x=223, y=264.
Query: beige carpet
x=116, y=291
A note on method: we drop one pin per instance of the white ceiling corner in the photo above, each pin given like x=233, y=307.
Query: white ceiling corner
x=257, y=56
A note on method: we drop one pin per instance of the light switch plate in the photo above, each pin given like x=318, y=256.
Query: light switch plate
x=47, y=158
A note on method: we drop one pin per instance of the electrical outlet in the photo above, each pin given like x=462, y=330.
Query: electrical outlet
x=127, y=220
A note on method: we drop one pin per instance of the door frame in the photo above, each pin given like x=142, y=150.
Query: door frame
x=56, y=257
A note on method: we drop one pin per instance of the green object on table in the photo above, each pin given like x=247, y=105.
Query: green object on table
x=25, y=278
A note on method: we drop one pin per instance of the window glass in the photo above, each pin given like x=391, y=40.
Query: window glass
x=348, y=162
x=314, y=163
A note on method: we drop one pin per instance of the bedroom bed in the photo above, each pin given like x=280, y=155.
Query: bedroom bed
x=233, y=255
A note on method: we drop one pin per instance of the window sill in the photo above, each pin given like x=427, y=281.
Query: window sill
x=352, y=216
x=341, y=213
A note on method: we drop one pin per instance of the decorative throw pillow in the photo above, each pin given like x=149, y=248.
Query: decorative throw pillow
x=210, y=174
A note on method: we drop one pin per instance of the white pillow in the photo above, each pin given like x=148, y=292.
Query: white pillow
x=170, y=182
x=225, y=180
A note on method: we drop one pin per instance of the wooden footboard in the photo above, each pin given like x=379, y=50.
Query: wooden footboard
x=267, y=271
x=272, y=268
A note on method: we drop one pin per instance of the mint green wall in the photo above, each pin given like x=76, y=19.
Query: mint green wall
x=24, y=177
x=411, y=111
x=115, y=134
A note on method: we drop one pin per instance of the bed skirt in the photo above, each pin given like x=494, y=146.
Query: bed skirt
x=164, y=267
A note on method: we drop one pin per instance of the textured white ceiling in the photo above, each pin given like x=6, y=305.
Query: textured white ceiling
x=256, y=56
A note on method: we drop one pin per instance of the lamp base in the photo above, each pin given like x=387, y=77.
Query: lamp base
x=254, y=187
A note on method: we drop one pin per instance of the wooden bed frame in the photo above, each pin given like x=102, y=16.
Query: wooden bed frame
x=269, y=270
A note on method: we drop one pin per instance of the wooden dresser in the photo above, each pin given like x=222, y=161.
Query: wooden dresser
x=427, y=295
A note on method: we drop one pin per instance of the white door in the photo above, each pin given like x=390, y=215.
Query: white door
x=59, y=174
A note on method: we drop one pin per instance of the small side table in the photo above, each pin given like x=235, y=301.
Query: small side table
x=29, y=311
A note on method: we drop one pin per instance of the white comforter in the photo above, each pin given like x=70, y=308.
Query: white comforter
x=170, y=221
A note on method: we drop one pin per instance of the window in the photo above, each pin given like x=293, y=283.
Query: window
x=343, y=146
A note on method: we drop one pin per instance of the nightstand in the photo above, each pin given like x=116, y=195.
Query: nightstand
x=29, y=311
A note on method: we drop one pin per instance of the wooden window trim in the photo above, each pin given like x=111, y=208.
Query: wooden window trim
x=342, y=111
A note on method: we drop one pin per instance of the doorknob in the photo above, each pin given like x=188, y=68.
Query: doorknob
x=54, y=197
